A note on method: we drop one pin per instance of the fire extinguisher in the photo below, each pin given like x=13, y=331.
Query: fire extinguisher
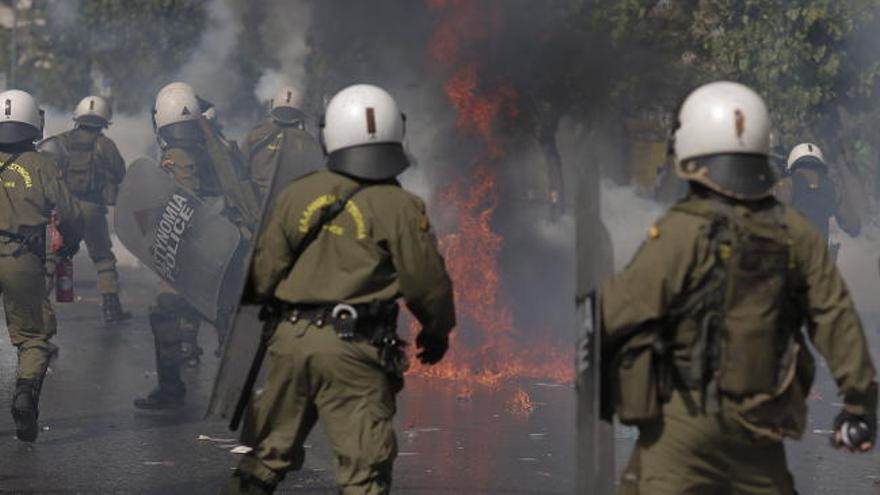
x=63, y=265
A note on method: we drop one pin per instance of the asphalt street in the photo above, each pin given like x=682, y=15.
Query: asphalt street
x=482, y=441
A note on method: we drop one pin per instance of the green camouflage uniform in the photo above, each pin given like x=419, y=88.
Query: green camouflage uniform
x=380, y=248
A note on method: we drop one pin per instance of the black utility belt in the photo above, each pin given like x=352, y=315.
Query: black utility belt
x=349, y=320
x=27, y=234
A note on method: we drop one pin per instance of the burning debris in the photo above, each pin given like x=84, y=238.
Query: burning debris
x=521, y=404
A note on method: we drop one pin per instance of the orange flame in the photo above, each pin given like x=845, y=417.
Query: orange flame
x=521, y=404
x=478, y=113
x=488, y=348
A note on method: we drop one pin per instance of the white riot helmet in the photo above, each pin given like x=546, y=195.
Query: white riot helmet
x=93, y=111
x=175, y=86
x=805, y=154
x=20, y=117
x=177, y=111
x=362, y=133
x=722, y=140
x=285, y=106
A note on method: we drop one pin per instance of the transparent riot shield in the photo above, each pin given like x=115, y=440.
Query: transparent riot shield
x=178, y=236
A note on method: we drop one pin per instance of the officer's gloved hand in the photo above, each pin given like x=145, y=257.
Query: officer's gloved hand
x=433, y=347
x=68, y=251
x=854, y=433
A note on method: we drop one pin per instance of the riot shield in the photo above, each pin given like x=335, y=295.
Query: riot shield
x=180, y=237
x=242, y=341
x=300, y=155
x=595, y=434
x=595, y=449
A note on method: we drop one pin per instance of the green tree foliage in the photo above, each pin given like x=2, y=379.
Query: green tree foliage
x=802, y=56
x=65, y=46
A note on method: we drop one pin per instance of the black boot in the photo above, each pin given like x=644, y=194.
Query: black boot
x=170, y=392
x=161, y=399
x=113, y=309
x=25, y=410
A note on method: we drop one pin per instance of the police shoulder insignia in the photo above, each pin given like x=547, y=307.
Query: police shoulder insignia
x=653, y=232
x=424, y=224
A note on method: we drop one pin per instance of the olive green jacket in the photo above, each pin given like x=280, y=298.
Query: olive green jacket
x=677, y=254
x=108, y=160
x=269, y=144
x=380, y=248
x=32, y=189
x=192, y=169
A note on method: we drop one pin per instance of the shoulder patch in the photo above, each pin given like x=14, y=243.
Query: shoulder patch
x=653, y=232
x=424, y=223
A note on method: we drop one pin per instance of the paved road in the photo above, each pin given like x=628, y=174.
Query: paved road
x=94, y=441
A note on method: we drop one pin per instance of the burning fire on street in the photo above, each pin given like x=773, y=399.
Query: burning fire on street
x=488, y=349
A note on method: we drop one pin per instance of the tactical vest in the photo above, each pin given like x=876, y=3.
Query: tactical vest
x=83, y=175
x=814, y=195
x=732, y=331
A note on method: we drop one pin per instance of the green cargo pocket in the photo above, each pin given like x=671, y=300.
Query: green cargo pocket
x=635, y=385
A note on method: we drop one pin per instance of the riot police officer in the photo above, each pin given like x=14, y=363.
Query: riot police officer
x=704, y=326
x=334, y=356
x=32, y=189
x=282, y=140
x=810, y=188
x=93, y=169
x=175, y=322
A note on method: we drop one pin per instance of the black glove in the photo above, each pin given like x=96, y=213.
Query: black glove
x=853, y=430
x=433, y=347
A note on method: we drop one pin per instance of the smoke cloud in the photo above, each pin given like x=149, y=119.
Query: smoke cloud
x=286, y=34
x=209, y=69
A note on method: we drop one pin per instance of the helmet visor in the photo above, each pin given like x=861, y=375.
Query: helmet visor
x=736, y=175
x=92, y=121
x=287, y=115
x=371, y=162
x=181, y=131
x=16, y=132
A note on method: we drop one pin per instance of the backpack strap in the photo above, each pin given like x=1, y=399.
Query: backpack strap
x=264, y=143
x=9, y=161
x=705, y=303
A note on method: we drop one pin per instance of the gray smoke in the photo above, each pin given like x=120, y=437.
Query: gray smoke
x=858, y=262
x=286, y=32
x=209, y=69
